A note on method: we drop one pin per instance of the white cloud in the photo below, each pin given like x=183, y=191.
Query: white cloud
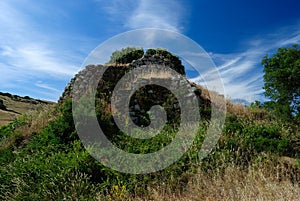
x=22, y=46
x=47, y=86
x=134, y=14
x=157, y=14
x=242, y=73
x=229, y=63
x=30, y=50
x=295, y=38
x=27, y=53
x=37, y=60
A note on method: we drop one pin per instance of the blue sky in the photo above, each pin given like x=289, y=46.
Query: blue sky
x=43, y=43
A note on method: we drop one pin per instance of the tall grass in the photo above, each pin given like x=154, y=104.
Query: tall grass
x=254, y=183
x=255, y=159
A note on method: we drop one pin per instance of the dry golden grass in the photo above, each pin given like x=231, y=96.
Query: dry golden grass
x=255, y=114
x=36, y=119
x=253, y=184
x=15, y=108
x=237, y=108
x=32, y=122
x=269, y=178
x=6, y=117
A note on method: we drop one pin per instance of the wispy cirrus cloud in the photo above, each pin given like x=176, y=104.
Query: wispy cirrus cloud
x=43, y=41
x=138, y=14
x=27, y=53
x=242, y=72
x=47, y=86
x=158, y=14
x=37, y=59
x=36, y=44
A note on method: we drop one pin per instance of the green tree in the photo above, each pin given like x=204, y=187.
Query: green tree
x=282, y=81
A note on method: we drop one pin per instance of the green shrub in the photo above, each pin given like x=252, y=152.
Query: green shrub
x=168, y=56
x=6, y=130
x=126, y=55
x=242, y=134
x=63, y=126
x=2, y=106
x=45, y=172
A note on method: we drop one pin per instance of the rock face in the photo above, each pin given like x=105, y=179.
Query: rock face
x=151, y=70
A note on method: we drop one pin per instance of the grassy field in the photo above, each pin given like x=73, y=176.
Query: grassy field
x=17, y=105
x=256, y=158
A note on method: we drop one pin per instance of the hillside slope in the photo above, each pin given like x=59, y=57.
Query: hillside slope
x=15, y=105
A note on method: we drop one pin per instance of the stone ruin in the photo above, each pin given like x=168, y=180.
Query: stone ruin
x=145, y=97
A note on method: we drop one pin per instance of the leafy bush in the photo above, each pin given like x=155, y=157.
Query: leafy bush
x=45, y=172
x=241, y=134
x=126, y=55
x=63, y=126
x=6, y=130
x=6, y=94
x=168, y=56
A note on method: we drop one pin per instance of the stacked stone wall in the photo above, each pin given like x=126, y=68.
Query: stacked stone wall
x=151, y=69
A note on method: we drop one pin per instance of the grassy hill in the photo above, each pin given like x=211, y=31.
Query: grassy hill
x=256, y=158
x=15, y=105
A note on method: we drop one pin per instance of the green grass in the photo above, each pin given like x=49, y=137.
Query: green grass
x=53, y=165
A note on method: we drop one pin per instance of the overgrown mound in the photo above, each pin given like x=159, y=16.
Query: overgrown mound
x=125, y=61
x=129, y=54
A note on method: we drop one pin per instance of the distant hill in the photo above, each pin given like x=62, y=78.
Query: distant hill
x=12, y=106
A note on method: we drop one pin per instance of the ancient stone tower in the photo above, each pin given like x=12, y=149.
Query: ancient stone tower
x=146, y=96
